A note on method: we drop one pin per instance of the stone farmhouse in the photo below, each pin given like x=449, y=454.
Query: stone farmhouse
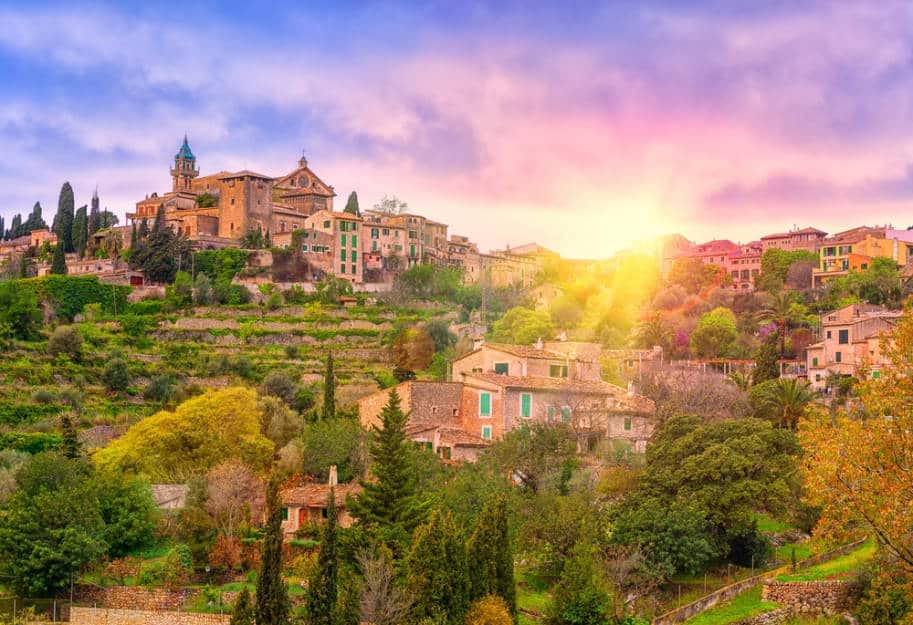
x=306, y=504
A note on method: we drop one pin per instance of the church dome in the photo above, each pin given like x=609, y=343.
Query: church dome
x=185, y=152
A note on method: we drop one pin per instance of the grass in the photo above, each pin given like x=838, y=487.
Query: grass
x=532, y=593
x=842, y=566
x=740, y=607
x=770, y=525
x=784, y=553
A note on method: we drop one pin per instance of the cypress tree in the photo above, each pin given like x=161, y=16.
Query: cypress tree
x=59, y=262
x=352, y=205
x=439, y=570
x=159, y=224
x=322, y=591
x=94, y=222
x=329, y=390
x=15, y=226
x=272, y=594
x=34, y=221
x=766, y=366
x=388, y=506
x=80, y=231
x=2, y=229
x=143, y=229
x=492, y=571
x=63, y=221
x=242, y=613
x=70, y=439
x=133, y=236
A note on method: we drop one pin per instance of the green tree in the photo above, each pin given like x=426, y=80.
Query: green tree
x=69, y=445
x=116, y=375
x=651, y=331
x=59, y=261
x=581, y=596
x=331, y=288
x=64, y=219
x=693, y=275
x=66, y=340
x=522, y=326
x=160, y=253
x=413, y=349
x=492, y=570
x=775, y=266
x=537, y=455
x=438, y=570
x=782, y=401
x=389, y=507
x=322, y=594
x=50, y=528
x=80, y=231
x=715, y=333
x=272, y=594
x=242, y=613
x=19, y=311
x=129, y=512
x=328, y=442
x=352, y=204
x=766, y=365
x=439, y=331
x=180, y=292
x=329, y=390
x=782, y=310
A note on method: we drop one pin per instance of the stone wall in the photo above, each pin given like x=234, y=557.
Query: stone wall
x=773, y=617
x=135, y=597
x=103, y=616
x=828, y=596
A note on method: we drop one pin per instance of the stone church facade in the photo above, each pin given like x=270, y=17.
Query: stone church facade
x=219, y=209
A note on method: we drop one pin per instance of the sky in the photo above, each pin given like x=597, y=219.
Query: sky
x=583, y=126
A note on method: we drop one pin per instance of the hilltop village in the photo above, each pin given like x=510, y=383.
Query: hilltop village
x=245, y=405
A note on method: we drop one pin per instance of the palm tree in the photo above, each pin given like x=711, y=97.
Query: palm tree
x=785, y=400
x=652, y=331
x=779, y=311
x=741, y=379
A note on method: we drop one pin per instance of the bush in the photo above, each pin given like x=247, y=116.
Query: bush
x=280, y=384
x=490, y=610
x=161, y=389
x=116, y=375
x=292, y=351
x=748, y=547
x=43, y=396
x=66, y=340
x=70, y=294
x=19, y=312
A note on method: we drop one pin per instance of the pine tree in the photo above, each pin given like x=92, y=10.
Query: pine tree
x=492, y=571
x=59, y=262
x=64, y=219
x=439, y=570
x=389, y=507
x=329, y=390
x=242, y=613
x=272, y=594
x=70, y=439
x=80, y=231
x=352, y=204
x=766, y=366
x=322, y=591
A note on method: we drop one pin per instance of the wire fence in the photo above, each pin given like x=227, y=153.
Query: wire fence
x=18, y=609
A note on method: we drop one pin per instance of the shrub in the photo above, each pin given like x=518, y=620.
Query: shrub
x=161, y=389
x=66, y=340
x=116, y=375
x=43, y=396
x=281, y=384
x=490, y=610
x=292, y=351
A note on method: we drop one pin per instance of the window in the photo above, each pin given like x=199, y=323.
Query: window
x=373, y=246
x=354, y=241
x=374, y=233
x=828, y=334
x=285, y=514
x=412, y=251
x=526, y=405
x=550, y=413
x=429, y=445
x=342, y=240
x=557, y=371
x=445, y=453
x=876, y=374
x=501, y=368
x=838, y=356
x=486, y=432
x=354, y=256
x=386, y=231
x=342, y=254
x=815, y=362
x=326, y=224
x=412, y=234
x=843, y=337
x=627, y=424
x=342, y=268
x=304, y=247
x=566, y=414
x=354, y=269
x=484, y=404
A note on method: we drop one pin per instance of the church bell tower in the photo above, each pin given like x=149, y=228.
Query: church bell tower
x=184, y=170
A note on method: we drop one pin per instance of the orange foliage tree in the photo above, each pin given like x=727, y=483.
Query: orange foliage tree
x=859, y=465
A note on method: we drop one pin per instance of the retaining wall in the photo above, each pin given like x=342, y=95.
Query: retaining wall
x=106, y=616
x=828, y=596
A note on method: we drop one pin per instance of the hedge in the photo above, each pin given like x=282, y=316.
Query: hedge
x=14, y=414
x=70, y=294
x=29, y=442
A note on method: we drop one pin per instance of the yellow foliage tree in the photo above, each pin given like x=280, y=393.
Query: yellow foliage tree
x=201, y=433
x=858, y=466
x=490, y=610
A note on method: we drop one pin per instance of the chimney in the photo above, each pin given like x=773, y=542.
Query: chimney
x=334, y=476
x=630, y=392
x=539, y=343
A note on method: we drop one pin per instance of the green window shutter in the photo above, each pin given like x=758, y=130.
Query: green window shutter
x=526, y=405
x=501, y=368
x=326, y=224
x=565, y=415
x=627, y=424
x=429, y=445
x=342, y=268
x=550, y=413
x=484, y=404
x=304, y=247
x=839, y=357
x=876, y=374
x=373, y=246
x=814, y=362
x=342, y=240
x=354, y=240
x=354, y=256
x=486, y=432
x=354, y=269
x=342, y=254
x=285, y=514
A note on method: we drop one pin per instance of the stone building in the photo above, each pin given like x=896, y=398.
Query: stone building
x=219, y=209
x=306, y=504
x=554, y=361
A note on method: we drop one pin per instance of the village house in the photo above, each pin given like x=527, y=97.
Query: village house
x=808, y=239
x=632, y=364
x=854, y=250
x=527, y=360
x=850, y=341
x=344, y=230
x=306, y=504
x=744, y=266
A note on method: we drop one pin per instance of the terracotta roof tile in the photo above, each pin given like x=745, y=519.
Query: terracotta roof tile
x=316, y=495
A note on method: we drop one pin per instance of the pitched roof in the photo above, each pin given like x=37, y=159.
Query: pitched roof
x=525, y=351
x=169, y=495
x=244, y=172
x=316, y=495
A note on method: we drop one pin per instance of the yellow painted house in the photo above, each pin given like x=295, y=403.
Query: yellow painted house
x=854, y=250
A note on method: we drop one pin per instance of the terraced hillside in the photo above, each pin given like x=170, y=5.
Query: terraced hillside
x=169, y=356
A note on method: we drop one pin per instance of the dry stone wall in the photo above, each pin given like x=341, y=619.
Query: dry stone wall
x=106, y=616
x=135, y=597
x=828, y=596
